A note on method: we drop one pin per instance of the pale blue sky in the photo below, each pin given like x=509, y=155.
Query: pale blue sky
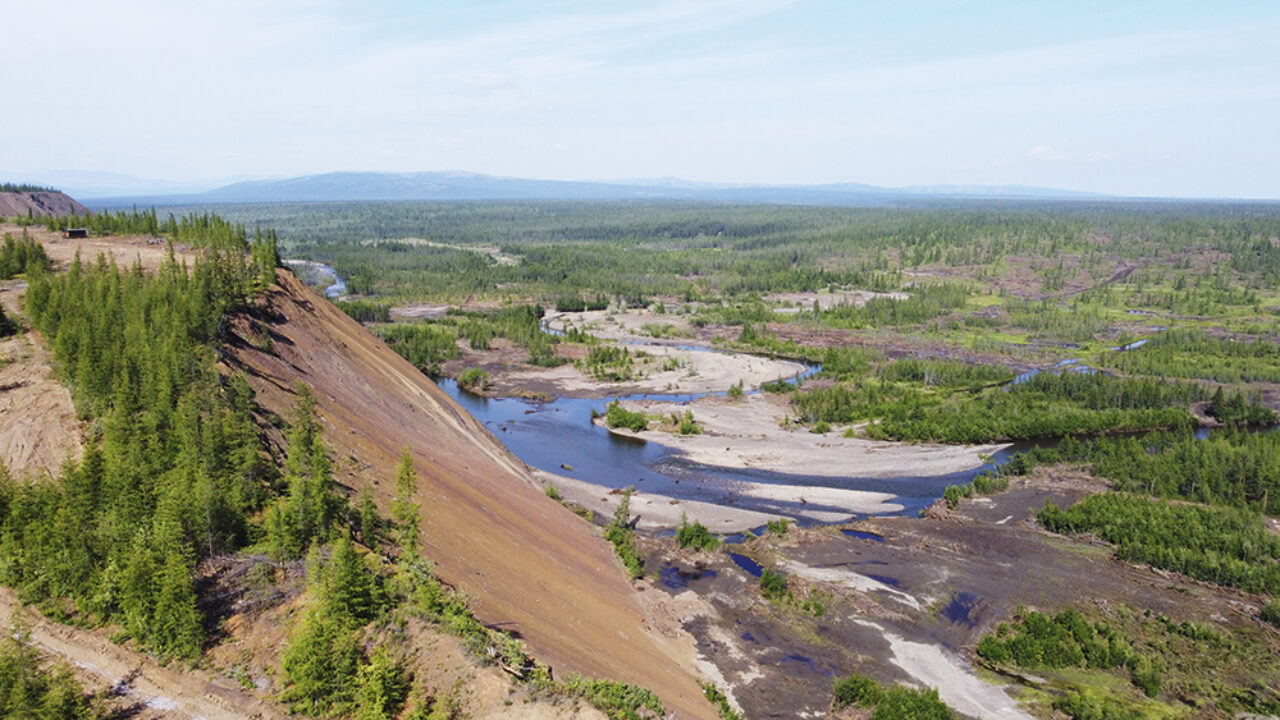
x=1139, y=98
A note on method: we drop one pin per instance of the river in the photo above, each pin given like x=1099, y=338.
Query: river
x=553, y=435
x=559, y=436
x=316, y=274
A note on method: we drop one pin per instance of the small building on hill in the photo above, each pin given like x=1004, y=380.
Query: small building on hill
x=75, y=233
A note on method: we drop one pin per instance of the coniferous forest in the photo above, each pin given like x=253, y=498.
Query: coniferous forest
x=1103, y=334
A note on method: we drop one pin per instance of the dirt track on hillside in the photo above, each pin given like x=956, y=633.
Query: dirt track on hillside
x=530, y=565
x=38, y=426
x=122, y=249
x=148, y=690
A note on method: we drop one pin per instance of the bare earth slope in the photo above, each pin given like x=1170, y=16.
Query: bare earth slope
x=530, y=565
x=39, y=204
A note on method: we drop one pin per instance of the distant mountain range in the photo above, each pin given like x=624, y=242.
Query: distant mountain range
x=349, y=186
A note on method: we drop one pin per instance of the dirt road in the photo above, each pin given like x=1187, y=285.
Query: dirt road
x=146, y=687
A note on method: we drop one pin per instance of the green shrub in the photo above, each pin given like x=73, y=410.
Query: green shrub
x=986, y=482
x=473, y=379
x=990, y=648
x=1146, y=675
x=900, y=703
x=695, y=535
x=623, y=537
x=618, y=701
x=773, y=585
x=617, y=416
x=686, y=425
x=720, y=702
x=954, y=493
x=779, y=526
x=1271, y=612
x=856, y=691
x=1081, y=707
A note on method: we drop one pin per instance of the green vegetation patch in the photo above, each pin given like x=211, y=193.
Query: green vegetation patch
x=1046, y=405
x=623, y=536
x=30, y=688
x=894, y=703
x=1139, y=664
x=176, y=474
x=1036, y=641
x=1222, y=545
x=695, y=535
x=617, y=416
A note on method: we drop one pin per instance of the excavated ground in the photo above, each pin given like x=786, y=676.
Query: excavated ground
x=907, y=599
x=530, y=565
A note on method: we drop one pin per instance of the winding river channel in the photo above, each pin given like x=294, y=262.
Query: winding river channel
x=559, y=436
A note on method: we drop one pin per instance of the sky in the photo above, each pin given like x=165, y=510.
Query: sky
x=1168, y=98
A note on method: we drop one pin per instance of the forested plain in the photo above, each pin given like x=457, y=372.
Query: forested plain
x=1107, y=332
x=978, y=291
x=1119, y=327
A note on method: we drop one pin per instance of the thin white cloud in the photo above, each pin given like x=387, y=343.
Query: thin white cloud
x=625, y=89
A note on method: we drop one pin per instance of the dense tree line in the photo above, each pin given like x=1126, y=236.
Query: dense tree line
x=1184, y=353
x=25, y=187
x=638, y=249
x=175, y=473
x=22, y=255
x=1035, y=641
x=365, y=311
x=1222, y=545
x=1229, y=467
x=427, y=343
x=1046, y=405
x=424, y=344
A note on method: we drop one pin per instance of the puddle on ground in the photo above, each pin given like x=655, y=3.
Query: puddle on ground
x=892, y=582
x=863, y=534
x=671, y=576
x=750, y=534
x=749, y=637
x=957, y=611
x=809, y=663
x=753, y=568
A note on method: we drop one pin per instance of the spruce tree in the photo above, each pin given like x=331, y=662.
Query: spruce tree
x=350, y=588
x=177, y=629
x=405, y=512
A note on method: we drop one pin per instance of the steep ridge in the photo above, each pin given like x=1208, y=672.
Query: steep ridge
x=39, y=204
x=530, y=566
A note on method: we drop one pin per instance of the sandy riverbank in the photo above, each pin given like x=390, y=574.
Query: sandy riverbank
x=748, y=433
x=661, y=512
x=697, y=372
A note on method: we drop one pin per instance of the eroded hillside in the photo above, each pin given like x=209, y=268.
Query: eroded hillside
x=531, y=567
x=39, y=204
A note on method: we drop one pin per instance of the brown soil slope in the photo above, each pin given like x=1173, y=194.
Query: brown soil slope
x=39, y=204
x=530, y=565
